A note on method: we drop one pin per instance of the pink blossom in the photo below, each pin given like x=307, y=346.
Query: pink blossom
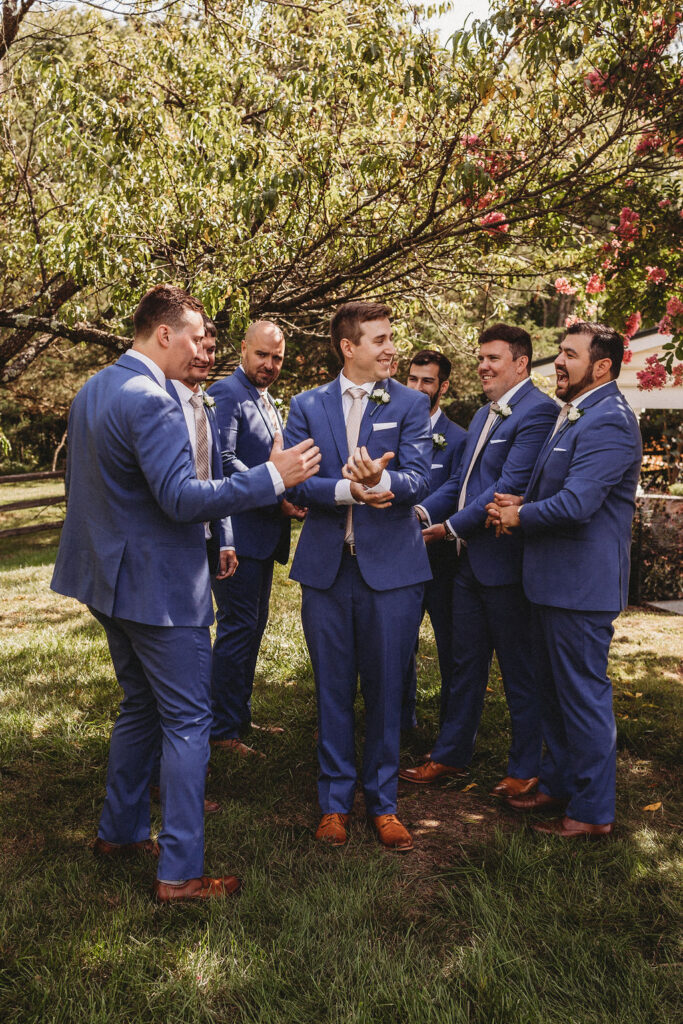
x=665, y=326
x=663, y=203
x=674, y=307
x=563, y=286
x=495, y=223
x=571, y=320
x=677, y=375
x=648, y=141
x=596, y=82
x=632, y=324
x=628, y=223
x=595, y=285
x=653, y=376
x=656, y=275
x=565, y=3
x=472, y=142
x=628, y=355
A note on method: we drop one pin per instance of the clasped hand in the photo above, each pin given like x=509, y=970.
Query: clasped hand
x=364, y=472
x=503, y=513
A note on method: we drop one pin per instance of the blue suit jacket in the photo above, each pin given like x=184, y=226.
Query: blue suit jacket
x=389, y=544
x=504, y=464
x=133, y=544
x=246, y=438
x=579, y=507
x=221, y=529
x=446, y=460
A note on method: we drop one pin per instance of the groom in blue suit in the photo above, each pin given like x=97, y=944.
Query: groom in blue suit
x=490, y=611
x=576, y=520
x=133, y=549
x=429, y=372
x=362, y=563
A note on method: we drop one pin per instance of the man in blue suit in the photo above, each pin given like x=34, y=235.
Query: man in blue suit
x=362, y=563
x=576, y=521
x=133, y=549
x=248, y=421
x=490, y=611
x=429, y=372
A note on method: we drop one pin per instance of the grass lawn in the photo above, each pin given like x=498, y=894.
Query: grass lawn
x=484, y=922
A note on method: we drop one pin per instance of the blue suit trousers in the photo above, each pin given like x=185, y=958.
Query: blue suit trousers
x=571, y=650
x=243, y=602
x=486, y=619
x=438, y=603
x=164, y=672
x=353, y=631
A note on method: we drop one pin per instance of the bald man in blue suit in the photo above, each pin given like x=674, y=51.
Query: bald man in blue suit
x=133, y=549
x=362, y=564
x=576, y=520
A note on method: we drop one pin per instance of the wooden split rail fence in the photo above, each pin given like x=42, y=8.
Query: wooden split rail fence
x=41, y=503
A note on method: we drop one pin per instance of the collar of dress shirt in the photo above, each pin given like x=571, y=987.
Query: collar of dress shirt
x=434, y=417
x=367, y=387
x=576, y=402
x=504, y=400
x=261, y=391
x=184, y=393
x=159, y=374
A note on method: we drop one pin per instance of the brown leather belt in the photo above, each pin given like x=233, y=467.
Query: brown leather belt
x=351, y=548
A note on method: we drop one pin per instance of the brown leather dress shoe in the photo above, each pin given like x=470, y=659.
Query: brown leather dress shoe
x=510, y=786
x=210, y=806
x=391, y=833
x=429, y=772
x=203, y=888
x=237, y=747
x=539, y=802
x=568, y=828
x=101, y=848
x=332, y=829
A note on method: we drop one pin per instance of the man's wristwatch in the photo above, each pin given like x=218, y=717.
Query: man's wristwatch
x=450, y=536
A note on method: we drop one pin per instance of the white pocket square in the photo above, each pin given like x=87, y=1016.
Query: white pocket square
x=383, y=426
x=560, y=449
x=498, y=440
x=437, y=465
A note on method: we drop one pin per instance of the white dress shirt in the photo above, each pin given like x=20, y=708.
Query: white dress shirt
x=342, y=490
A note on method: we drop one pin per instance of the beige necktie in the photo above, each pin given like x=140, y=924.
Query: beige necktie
x=201, y=455
x=564, y=412
x=271, y=412
x=481, y=441
x=352, y=432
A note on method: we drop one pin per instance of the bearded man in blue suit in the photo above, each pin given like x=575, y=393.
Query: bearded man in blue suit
x=133, y=548
x=429, y=372
x=248, y=421
x=362, y=563
x=576, y=520
x=490, y=611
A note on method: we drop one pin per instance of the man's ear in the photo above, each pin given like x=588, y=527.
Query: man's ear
x=163, y=333
x=346, y=347
x=444, y=388
x=603, y=368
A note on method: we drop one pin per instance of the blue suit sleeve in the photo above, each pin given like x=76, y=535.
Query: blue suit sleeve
x=410, y=483
x=162, y=448
x=442, y=502
x=317, y=491
x=601, y=458
x=516, y=471
x=228, y=414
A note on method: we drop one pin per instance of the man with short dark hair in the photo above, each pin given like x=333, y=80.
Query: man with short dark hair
x=490, y=611
x=133, y=549
x=576, y=518
x=248, y=420
x=362, y=564
x=429, y=372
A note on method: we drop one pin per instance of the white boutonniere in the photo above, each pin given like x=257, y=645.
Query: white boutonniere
x=574, y=414
x=501, y=409
x=278, y=403
x=380, y=397
x=208, y=401
x=439, y=441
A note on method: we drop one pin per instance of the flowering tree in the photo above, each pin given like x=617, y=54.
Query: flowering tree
x=279, y=159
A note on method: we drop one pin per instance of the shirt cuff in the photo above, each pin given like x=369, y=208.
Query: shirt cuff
x=278, y=483
x=449, y=529
x=427, y=520
x=384, y=484
x=228, y=549
x=342, y=493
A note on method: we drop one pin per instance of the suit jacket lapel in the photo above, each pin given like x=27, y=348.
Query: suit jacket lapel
x=332, y=404
x=255, y=396
x=373, y=414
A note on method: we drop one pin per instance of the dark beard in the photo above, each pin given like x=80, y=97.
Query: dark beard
x=583, y=385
